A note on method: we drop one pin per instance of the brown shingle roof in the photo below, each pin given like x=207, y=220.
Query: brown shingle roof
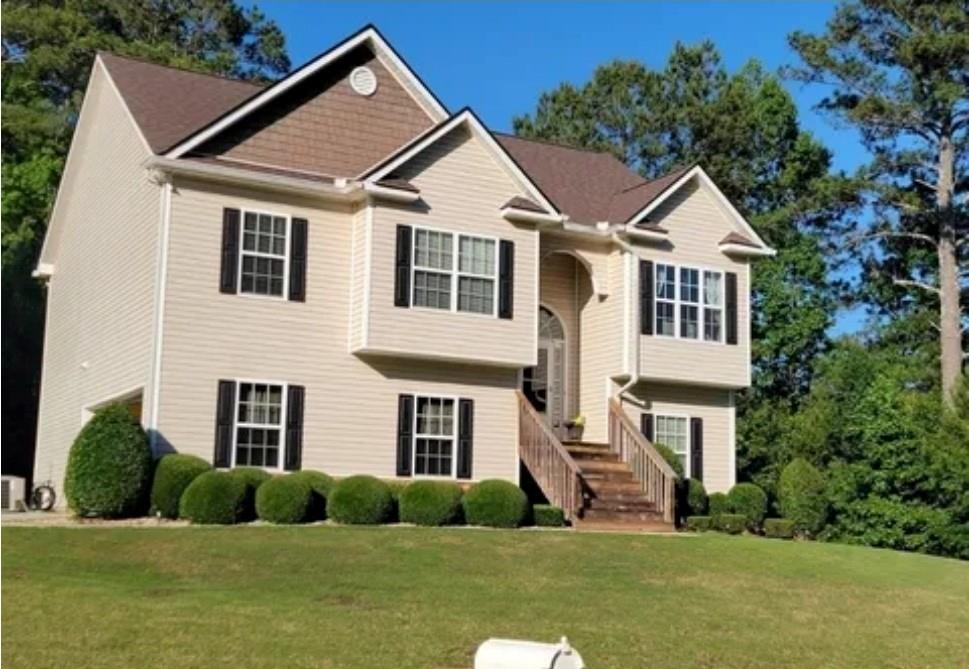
x=631, y=201
x=519, y=202
x=170, y=103
x=398, y=184
x=737, y=238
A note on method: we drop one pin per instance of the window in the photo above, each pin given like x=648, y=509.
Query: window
x=672, y=431
x=259, y=425
x=437, y=268
x=687, y=309
x=264, y=259
x=434, y=437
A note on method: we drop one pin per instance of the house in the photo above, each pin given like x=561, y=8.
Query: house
x=335, y=272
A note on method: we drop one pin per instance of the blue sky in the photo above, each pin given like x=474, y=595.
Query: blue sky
x=498, y=57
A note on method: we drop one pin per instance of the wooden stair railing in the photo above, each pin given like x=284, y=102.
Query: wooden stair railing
x=548, y=461
x=655, y=476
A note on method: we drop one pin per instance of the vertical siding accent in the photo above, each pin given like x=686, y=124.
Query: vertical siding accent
x=297, y=260
x=225, y=406
x=465, y=437
x=405, y=434
x=506, y=279
x=228, y=277
x=402, y=266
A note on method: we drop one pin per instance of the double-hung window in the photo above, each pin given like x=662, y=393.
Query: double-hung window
x=672, y=431
x=434, y=437
x=689, y=303
x=259, y=425
x=262, y=270
x=454, y=272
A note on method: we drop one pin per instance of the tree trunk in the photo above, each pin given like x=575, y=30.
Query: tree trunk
x=949, y=313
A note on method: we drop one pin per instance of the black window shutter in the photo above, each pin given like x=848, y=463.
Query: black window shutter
x=402, y=264
x=230, y=251
x=405, y=434
x=646, y=426
x=297, y=259
x=731, y=289
x=506, y=279
x=295, y=402
x=696, y=449
x=224, y=412
x=465, y=437
x=646, y=294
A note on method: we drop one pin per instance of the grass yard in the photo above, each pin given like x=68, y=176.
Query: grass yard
x=407, y=597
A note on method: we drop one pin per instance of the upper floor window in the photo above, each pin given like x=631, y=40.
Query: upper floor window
x=456, y=281
x=262, y=270
x=689, y=303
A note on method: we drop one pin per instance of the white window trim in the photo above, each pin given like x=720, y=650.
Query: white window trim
x=282, y=423
x=689, y=438
x=454, y=437
x=678, y=302
x=286, y=253
x=454, y=273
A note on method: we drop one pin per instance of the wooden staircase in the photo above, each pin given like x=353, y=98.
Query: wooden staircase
x=620, y=485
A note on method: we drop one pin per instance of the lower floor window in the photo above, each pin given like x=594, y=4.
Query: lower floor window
x=672, y=431
x=434, y=428
x=259, y=425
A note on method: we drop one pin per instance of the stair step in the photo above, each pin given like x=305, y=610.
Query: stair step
x=622, y=504
x=611, y=516
x=595, y=466
x=591, y=453
x=603, y=487
x=590, y=444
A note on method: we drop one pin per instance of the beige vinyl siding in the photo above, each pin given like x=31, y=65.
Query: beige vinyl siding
x=359, y=234
x=100, y=301
x=714, y=406
x=350, y=422
x=696, y=224
x=462, y=189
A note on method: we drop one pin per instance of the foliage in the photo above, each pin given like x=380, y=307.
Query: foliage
x=671, y=458
x=749, y=501
x=495, y=503
x=214, y=498
x=699, y=523
x=717, y=503
x=173, y=473
x=696, y=497
x=779, y=528
x=546, y=515
x=730, y=523
x=801, y=495
x=283, y=499
x=361, y=500
x=431, y=503
x=109, y=466
x=252, y=477
x=320, y=486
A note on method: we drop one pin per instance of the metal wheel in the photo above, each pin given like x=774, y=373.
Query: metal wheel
x=43, y=498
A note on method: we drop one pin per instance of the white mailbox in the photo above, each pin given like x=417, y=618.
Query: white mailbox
x=513, y=654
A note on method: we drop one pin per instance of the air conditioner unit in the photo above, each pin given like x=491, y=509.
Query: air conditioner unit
x=12, y=493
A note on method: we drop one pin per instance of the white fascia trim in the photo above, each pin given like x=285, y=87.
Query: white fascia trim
x=161, y=280
x=391, y=194
x=646, y=235
x=44, y=270
x=467, y=117
x=742, y=250
x=385, y=351
x=526, y=216
x=718, y=194
x=301, y=74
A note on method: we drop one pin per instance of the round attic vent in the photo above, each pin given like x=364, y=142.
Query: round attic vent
x=363, y=80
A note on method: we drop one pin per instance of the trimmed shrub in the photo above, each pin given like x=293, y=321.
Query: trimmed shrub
x=671, y=458
x=748, y=500
x=800, y=492
x=173, y=473
x=717, y=503
x=109, y=466
x=252, y=477
x=396, y=488
x=431, y=503
x=546, y=515
x=699, y=523
x=214, y=498
x=361, y=500
x=696, y=497
x=495, y=503
x=779, y=528
x=320, y=487
x=731, y=523
x=283, y=500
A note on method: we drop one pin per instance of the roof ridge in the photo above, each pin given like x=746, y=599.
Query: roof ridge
x=560, y=145
x=146, y=61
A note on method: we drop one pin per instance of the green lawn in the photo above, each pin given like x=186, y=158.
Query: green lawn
x=393, y=597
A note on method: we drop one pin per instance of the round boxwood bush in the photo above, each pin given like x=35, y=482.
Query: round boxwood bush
x=173, y=473
x=546, y=515
x=495, y=503
x=252, y=477
x=800, y=492
x=431, y=503
x=283, y=499
x=396, y=488
x=361, y=500
x=214, y=498
x=731, y=523
x=671, y=458
x=717, y=503
x=779, y=528
x=749, y=501
x=699, y=523
x=109, y=466
x=696, y=497
x=320, y=487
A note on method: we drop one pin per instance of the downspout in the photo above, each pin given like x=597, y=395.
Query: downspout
x=632, y=366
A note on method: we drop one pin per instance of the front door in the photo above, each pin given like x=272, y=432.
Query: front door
x=544, y=384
